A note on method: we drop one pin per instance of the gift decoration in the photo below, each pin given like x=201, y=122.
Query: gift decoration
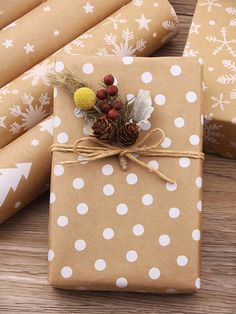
x=139, y=28
x=28, y=100
x=23, y=175
x=135, y=228
x=52, y=25
x=10, y=10
x=212, y=38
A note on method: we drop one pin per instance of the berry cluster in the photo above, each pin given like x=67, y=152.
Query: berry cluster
x=108, y=102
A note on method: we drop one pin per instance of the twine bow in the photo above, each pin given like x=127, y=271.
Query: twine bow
x=104, y=150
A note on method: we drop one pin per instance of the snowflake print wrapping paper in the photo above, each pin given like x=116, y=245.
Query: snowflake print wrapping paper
x=11, y=10
x=128, y=230
x=139, y=28
x=27, y=100
x=212, y=38
x=46, y=29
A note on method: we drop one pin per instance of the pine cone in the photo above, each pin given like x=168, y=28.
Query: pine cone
x=128, y=134
x=103, y=129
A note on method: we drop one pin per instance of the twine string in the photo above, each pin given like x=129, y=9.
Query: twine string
x=104, y=150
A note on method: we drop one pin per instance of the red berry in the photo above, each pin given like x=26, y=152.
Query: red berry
x=112, y=90
x=113, y=114
x=105, y=107
x=102, y=94
x=109, y=79
x=117, y=105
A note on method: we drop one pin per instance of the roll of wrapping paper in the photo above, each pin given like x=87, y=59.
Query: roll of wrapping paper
x=45, y=29
x=128, y=32
x=212, y=37
x=11, y=10
x=139, y=28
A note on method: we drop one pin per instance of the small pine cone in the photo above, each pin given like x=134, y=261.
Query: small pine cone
x=128, y=134
x=103, y=129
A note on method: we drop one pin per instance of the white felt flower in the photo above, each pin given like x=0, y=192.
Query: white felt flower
x=142, y=108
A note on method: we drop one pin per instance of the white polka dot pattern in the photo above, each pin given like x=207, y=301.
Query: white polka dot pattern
x=117, y=225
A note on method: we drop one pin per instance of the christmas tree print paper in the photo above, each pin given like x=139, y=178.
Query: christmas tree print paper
x=45, y=29
x=128, y=230
x=139, y=28
x=25, y=101
x=212, y=38
x=23, y=175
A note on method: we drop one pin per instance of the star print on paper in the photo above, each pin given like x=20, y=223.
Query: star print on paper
x=143, y=22
x=8, y=43
x=194, y=29
x=2, y=124
x=17, y=204
x=88, y=8
x=47, y=8
x=29, y=48
x=34, y=142
x=56, y=33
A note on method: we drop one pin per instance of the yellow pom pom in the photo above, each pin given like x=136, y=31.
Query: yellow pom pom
x=84, y=98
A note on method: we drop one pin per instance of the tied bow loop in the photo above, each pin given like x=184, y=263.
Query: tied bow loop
x=103, y=150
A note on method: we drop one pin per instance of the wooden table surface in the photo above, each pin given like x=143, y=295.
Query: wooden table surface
x=23, y=247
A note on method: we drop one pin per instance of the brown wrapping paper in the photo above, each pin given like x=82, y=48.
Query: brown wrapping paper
x=10, y=10
x=89, y=43
x=139, y=28
x=45, y=29
x=212, y=38
x=23, y=174
x=130, y=230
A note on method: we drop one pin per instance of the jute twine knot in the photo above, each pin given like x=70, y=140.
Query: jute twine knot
x=104, y=150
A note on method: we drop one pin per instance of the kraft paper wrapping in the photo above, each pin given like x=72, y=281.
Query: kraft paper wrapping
x=139, y=28
x=30, y=98
x=11, y=10
x=212, y=38
x=130, y=231
x=25, y=168
x=46, y=29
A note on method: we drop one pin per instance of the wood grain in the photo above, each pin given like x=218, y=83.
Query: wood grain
x=23, y=247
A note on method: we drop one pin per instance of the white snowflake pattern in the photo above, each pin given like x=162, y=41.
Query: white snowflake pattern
x=34, y=142
x=17, y=204
x=6, y=90
x=228, y=78
x=212, y=131
x=189, y=51
x=210, y=4
x=115, y=21
x=138, y=3
x=224, y=42
x=122, y=49
x=170, y=26
x=32, y=114
x=232, y=11
x=78, y=42
x=219, y=101
x=39, y=73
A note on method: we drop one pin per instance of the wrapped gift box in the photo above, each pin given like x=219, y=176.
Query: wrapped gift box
x=130, y=230
x=212, y=38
